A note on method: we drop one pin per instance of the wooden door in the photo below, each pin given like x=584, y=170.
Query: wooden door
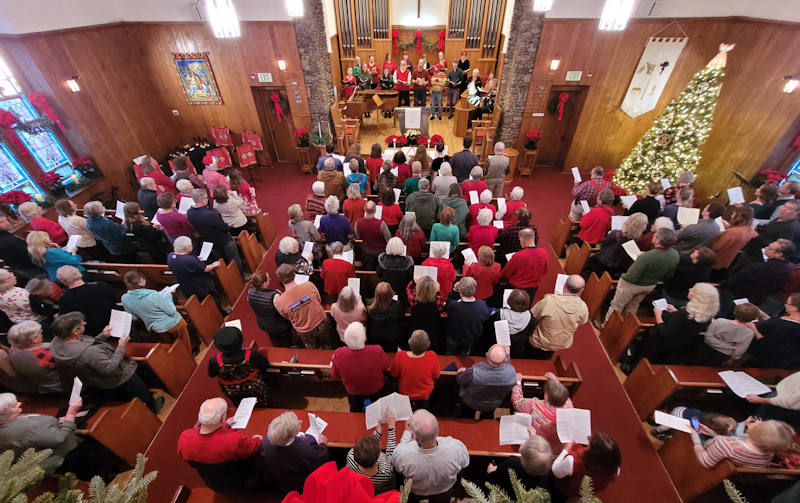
x=278, y=136
x=557, y=134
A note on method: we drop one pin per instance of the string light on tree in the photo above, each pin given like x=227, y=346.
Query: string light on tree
x=674, y=142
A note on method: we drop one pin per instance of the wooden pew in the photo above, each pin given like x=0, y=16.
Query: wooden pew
x=172, y=363
x=125, y=429
x=618, y=333
x=576, y=258
x=230, y=278
x=204, y=316
x=596, y=291
x=559, y=236
x=266, y=228
x=252, y=250
x=158, y=275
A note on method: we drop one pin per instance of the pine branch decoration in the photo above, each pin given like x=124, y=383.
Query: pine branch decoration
x=20, y=476
x=405, y=491
x=733, y=493
x=587, y=491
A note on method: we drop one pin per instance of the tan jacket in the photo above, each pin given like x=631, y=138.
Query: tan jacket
x=788, y=395
x=557, y=318
x=335, y=184
x=496, y=167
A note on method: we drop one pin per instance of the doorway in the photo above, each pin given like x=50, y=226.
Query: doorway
x=278, y=136
x=557, y=134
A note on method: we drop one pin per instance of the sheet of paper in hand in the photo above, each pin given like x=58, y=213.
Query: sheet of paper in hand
x=396, y=195
x=120, y=323
x=574, y=425
x=473, y=197
x=501, y=333
x=316, y=425
x=627, y=201
x=469, y=256
x=185, y=204
x=585, y=206
x=447, y=249
x=742, y=383
x=243, y=413
x=501, y=203
x=317, y=221
x=674, y=422
x=508, y=256
x=665, y=183
x=735, y=195
x=561, y=280
x=576, y=174
x=72, y=243
x=169, y=290
x=514, y=428
x=308, y=250
x=205, y=251
x=120, y=211
x=77, y=387
x=741, y=301
x=299, y=279
x=617, y=221
x=688, y=216
x=424, y=270
x=234, y=323
x=355, y=284
x=660, y=304
x=348, y=256
x=632, y=249
x=506, y=294
x=379, y=212
x=498, y=224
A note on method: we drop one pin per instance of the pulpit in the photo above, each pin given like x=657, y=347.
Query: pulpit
x=413, y=118
x=305, y=155
x=513, y=157
x=528, y=162
x=463, y=109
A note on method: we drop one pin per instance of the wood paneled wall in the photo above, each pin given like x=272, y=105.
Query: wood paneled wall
x=751, y=116
x=129, y=83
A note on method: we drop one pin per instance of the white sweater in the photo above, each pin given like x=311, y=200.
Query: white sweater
x=788, y=395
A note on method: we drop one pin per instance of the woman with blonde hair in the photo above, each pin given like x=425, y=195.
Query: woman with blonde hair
x=347, y=309
x=47, y=255
x=764, y=439
x=385, y=319
x=612, y=257
x=353, y=207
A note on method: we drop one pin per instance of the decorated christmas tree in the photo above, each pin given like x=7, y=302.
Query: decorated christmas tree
x=674, y=142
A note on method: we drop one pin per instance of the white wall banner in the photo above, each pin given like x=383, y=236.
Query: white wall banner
x=652, y=73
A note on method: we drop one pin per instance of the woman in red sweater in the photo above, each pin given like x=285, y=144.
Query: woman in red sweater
x=374, y=163
x=486, y=273
x=486, y=202
x=412, y=236
x=353, y=207
x=416, y=370
x=391, y=212
x=360, y=367
x=600, y=460
x=509, y=216
x=336, y=271
x=482, y=233
x=596, y=224
x=446, y=273
x=33, y=214
x=474, y=182
x=403, y=171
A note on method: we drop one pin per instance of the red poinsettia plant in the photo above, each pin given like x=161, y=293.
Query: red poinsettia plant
x=398, y=140
x=609, y=177
x=51, y=178
x=773, y=176
x=436, y=139
x=302, y=137
x=424, y=140
x=15, y=197
x=532, y=138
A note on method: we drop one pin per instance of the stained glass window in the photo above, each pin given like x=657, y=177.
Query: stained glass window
x=794, y=171
x=13, y=176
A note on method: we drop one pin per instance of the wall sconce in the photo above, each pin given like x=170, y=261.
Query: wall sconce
x=791, y=84
x=282, y=64
x=72, y=84
x=554, y=64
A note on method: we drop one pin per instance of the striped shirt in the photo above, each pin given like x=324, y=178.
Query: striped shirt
x=383, y=480
x=734, y=449
x=543, y=414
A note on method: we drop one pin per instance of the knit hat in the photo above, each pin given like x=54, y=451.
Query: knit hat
x=210, y=161
x=228, y=339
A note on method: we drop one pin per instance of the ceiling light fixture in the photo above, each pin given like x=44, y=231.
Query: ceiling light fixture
x=294, y=8
x=554, y=64
x=542, y=5
x=72, y=84
x=282, y=64
x=616, y=14
x=791, y=84
x=223, y=18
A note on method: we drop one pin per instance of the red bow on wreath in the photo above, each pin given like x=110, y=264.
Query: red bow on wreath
x=441, y=40
x=418, y=36
x=562, y=100
x=39, y=100
x=395, y=36
x=276, y=99
x=7, y=119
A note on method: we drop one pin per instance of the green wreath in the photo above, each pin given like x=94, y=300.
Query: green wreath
x=284, y=103
x=552, y=107
x=412, y=44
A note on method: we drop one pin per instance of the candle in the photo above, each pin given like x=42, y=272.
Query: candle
x=38, y=197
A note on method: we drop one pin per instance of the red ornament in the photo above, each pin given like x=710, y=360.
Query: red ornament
x=395, y=36
x=441, y=40
x=7, y=119
x=562, y=100
x=418, y=36
x=39, y=100
x=276, y=100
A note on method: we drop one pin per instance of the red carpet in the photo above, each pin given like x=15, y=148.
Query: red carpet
x=547, y=195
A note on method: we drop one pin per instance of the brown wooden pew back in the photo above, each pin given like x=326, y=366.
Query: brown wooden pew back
x=576, y=258
x=173, y=364
x=596, y=291
x=204, y=316
x=618, y=332
x=125, y=430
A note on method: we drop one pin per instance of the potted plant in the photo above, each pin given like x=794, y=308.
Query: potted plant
x=413, y=135
x=302, y=137
x=395, y=141
x=320, y=136
x=53, y=182
x=87, y=168
x=532, y=139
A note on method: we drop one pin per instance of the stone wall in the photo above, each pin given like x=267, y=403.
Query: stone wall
x=526, y=27
x=310, y=33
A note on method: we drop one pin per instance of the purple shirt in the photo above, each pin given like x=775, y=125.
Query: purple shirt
x=175, y=224
x=335, y=228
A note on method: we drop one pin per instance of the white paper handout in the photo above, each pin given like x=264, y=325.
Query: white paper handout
x=660, y=304
x=154, y=221
x=424, y=270
x=473, y=197
x=308, y=250
x=688, y=216
x=585, y=206
x=413, y=117
x=674, y=422
x=237, y=323
x=379, y=212
x=355, y=284
x=72, y=243
x=742, y=383
x=665, y=183
x=120, y=323
x=501, y=332
x=299, y=279
x=185, y=204
x=243, y=413
x=469, y=256
x=399, y=404
x=346, y=169
x=120, y=211
x=506, y=294
x=617, y=221
x=508, y=256
x=447, y=248
x=632, y=249
x=205, y=250
x=396, y=195
x=169, y=290
x=317, y=221
x=347, y=255
x=739, y=302
x=720, y=223
x=498, y=224
x=77, y=386
x=561, y=280
x=576, y=174
x=514, y=428
x=574, y=425
x=316, y=425
x=627, y=201
x=735, y=195
x=396, y=171
x=501, y=203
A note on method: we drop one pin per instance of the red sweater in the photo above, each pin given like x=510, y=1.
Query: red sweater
x=218, y=446
x=526, y=268
x=481, y=235
x=403, y=173
x=596, y=224
x=470, y=184
x=361, y=371
x=391, y=214
x=486, y=277
x=415, y=245
x=374, y=167
x=163, y=182
x=56, y=233
x=475, y=208
x=354, y=209
x=511, y=208
x=416, y=375
x=571, y=484
x=335, y=272
x=445, y=275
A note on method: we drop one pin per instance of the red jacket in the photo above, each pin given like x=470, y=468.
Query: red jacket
x=56, y=233
x=571, y=484
x=362, y=370
x=402, y=78
x=163, y=182
x=481, y=235
x=391, y=214
x=470, y=184
x=335, y=272
x=485, y=277
x=526, y=268
x=511, y=208
x=374, y=167
x=596, y=224
x=415, y=245
x=475, y=208
x=445, y=275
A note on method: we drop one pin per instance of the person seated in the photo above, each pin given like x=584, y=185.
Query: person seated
x=543, y=411
x=557, y=317
x=508, y=237
x=486, y=273
x=685, y=199
x=786, y=192
x=46, y=254
x=185, y=189
x=424, y=205
x=15, y=301
x=353, y=206
x=783, y=226
x=172, y=221
x=209, y=225
x=520, y=322
x=412, y=236
x=157, y=311
x=733, y=239
x=356, y=177
x=229, y=206
x=360, y=367
x=648, y=205
x=262, y=301
x=587, y=190
x=14, y=251
x=107, y=373
x=329, y=148
x=444, y=178
x=711, y=424
x=74, y=225
x=347, y=309
x=289, y=456
x=374, y=233
x=692, y=269
x=427, y=305
x=702, y=233
x=32, y=360
x=758, y=281
x=416, y=370
x=400, y=165
x=474, y=182
x=181, y=164
x=467, y=317
x=395, y=268
x=111, y=234
x=190, y=273
x=367, y=459
x=241, y=373
x=32, y=213
x=300, y=303
x=482, y=233
x=596, y=224
x=336, y=271
x=95, y=299
x=531, y=467
x=433, y=463
x=335, y=184
x=386, y=179
x=20, y=432
x=211, y=174
x=391, y=212
x=600, y=460
x=302, y=229
x=446, y=273
x=385, y=323
x=782, y=403
x=483, y=386
x=289, y=252
x=147, y=238
x=411, y=184
x=611, y=256
x=455, y=201
x=223, y=457
x=485, y=203
x=763, y=440
x=146, y=196
x=776, y=339
x=527, y=266
x=335, y=227
x=152, y=169
x=315, y=202
x=445, y=230
x=725, y=341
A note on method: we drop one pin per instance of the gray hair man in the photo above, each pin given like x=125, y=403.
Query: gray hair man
x=374, y=233
x=467, y=316
x=288, y=456
x=496, y=169
x=483, y=386
x=209, y=224
x=558, y=316
x=29, y=353
x=95, y=299
x=425, y=206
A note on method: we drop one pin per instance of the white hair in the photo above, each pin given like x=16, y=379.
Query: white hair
x=93, y=209
x=517, y=193
x=283, y=429
x=424, y=426
x=663, y=223
x=146, y=182
x=476, y=172
x=68, y=274
x=484, y=216
x=395, y=246
x=288, y=245
x=199, y=195
x=28, y=209
x=182, y=244
x=332, y=205
x=486, y=196
x=445, y=169
x=439, y=248
x=499, y=147
x=467, y=286
x=355, y=335
x=184, y=185
x=424, y=185
x=7, y=402
x=21, y=335
x=211, y=411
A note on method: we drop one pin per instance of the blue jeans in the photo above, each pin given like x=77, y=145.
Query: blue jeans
x=231, y=253
x=436, y=102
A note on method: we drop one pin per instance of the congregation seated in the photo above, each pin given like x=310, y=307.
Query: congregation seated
x=147, y=196
x=146, y=237
x=360, y=367
x=212, y=228
x=412, y=235
x=75, y=225
x=289, y=456
x=32, y=212
x=171, y=220
x=611, y=256
x=261, y=299
x=241, y=373
x=32, y=360
x=191, y=274
x=557, y=317
x=466, y=317
x=301, y=304
x=95, y=299
x=111, y=234
x=395, y=268
x=425, y=206
x=374, y=233
x=157, y=311
x=14, y=251
x=526, y=267
x=367, y=458
x=756, y=450
x=385, y=324
x=47, y=255
x=482, y=233
x=702, y=233
x=485, y=198
x=484, y=386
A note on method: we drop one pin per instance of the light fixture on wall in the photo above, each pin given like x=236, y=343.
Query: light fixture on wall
x=791, y=84
x=223, y=18
x=616, y=14
x=282, y=64
x=542, y=5
x=554, y=64
x=294, y=8
x=72, y=84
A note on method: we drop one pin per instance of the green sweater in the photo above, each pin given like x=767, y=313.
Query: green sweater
x=441, y=232
x=652, y=266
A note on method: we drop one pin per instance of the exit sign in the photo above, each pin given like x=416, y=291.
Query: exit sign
x=574, y=75
x=265, y=77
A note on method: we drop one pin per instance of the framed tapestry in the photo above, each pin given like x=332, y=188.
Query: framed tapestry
x=197, y=78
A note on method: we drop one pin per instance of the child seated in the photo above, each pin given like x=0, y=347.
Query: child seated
x=711, y=424
x=556, y=396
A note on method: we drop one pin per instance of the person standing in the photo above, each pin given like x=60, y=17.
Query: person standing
x=420, y=77
x=424, y=205
x=467, y=316
x=463, y=65
x=402, y=83
x=262, y=301
x=484, y=386
x=463, y=162
x=360, y=367
x=497, y=168
x=587, y=191
x=147, y=196
x=454, y=79
x=289, y=456
x=209, y=224
x=557, y=317
x=527, y=266
x=301, y=305
x=438, y=85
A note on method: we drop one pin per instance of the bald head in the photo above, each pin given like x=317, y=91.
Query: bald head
x=330, y=164
x=496, y=355
x=425, y=428
x=574, y=284
x=369, y=208
x=212, y=412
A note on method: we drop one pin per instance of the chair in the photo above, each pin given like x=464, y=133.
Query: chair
x=348, y=128
x=576, y=258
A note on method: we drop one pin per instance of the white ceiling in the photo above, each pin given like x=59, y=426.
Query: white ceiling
x=28, y=16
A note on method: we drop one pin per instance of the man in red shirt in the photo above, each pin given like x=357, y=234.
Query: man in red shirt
x=336, y=270
x=420, y=77
x=527, y=266
x=360, y=367
x=222, y=457
x=402, y=83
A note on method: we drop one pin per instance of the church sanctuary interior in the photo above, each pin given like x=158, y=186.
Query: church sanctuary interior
x=351, y=251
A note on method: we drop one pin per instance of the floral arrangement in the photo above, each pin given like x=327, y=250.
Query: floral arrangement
x=772, y=176
x=412, y=135
x=436, y=139
x=424, y=140
x=87, y=168
x=302, y=137
x=419, y=42
x=395, y=140
x=15, y=197
x=319, y=136
x=532, y=138
x=616, y=189
x=53, y=182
